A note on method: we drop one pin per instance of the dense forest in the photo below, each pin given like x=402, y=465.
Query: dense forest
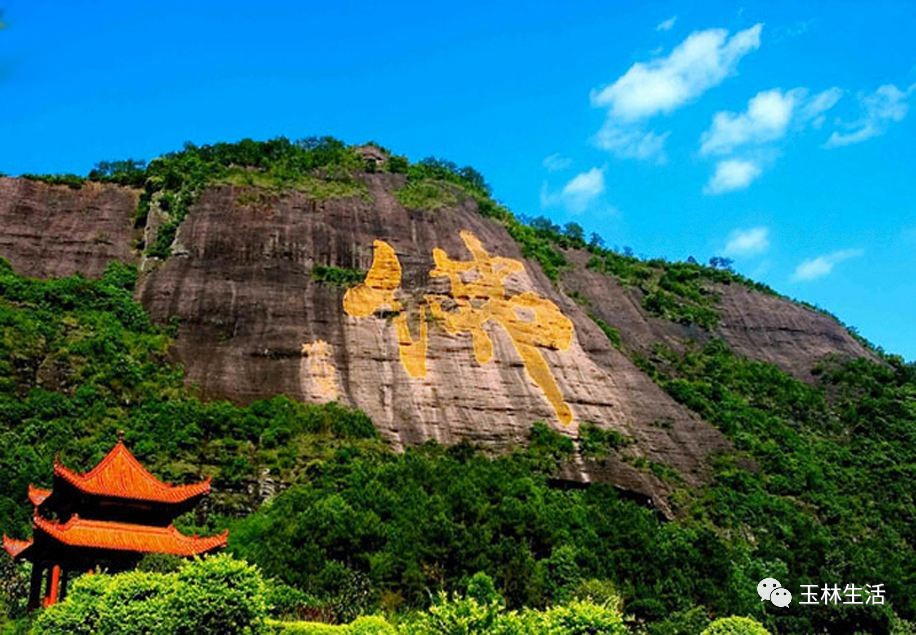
x=819, y=490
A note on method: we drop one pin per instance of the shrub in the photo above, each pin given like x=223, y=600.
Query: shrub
x=218, y=595
x=427, y=195
x=735, y=626
x=371, y=625
x=456, y=616
x=210, y=596
x=579, y=617
x=337, y=276
x=275, y=627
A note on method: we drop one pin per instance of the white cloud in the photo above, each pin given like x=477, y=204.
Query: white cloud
x=662, y=85
x=813, y=109
x=748, y=242
x=888, y=104
x=556, y=162
x=767, y=118
x=630, y=142
x=818, y=267
x=578, y=193
x=667, y=24
x=732, y=174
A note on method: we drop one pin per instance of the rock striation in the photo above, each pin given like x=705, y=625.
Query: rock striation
x=54, y=230
x=452, y=335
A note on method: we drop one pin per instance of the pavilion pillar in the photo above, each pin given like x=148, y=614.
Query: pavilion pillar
x=53, y=585
x=35, y=587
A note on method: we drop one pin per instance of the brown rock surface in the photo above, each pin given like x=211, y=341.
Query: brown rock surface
x=254, y=323
x=760, y=327
x=54, y=230
x=776, y=330
x=249, y=311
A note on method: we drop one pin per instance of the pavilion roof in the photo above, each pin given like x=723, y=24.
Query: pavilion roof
x=38, y=495
x=115, y=536
x=15, y=547
x=120, y=475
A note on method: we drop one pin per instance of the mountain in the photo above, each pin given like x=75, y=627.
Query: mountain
x=256, y=321
x=774, y=437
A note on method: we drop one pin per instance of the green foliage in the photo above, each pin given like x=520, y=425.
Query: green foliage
x=430, y=518
x=482, y=589
x=398, y=164
x=127, y=172
x=735, y=626
x=371, y=625
x=676, y=291
x=73, y=181
x=332, y=184
x=218, y=595
x=337, y=276
x=80, y=359
x=212, y=596
x=366, y=625
x=305, y=628
x=322, y=167
x=465, y=615
x=159, y=563
x=579, y=617
x=597, y=442
x=458, y=616
x=428, y=195
x=832, y=497
x=433, y=169
x=612, y=334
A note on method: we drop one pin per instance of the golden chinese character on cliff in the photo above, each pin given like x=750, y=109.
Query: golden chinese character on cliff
x=477, y=296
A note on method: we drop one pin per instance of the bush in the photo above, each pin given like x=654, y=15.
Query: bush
x=304, y=628
x=427, y=195
x=457, y=616
x=367, y=625
x=371, y=625
x=579, y=618
x=735, y=626
x=210, y=596
x=337, y=276
x=218, y=595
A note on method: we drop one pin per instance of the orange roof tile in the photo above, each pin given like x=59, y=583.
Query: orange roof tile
x=101, y=534
x=38, y=495
x=15, y=547
x=121, y=475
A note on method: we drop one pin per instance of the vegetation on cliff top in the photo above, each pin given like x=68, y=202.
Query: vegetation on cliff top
x=326, y=168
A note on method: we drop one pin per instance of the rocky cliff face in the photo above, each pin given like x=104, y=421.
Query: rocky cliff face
x=452, y=335
x=48, y=231
x=759, y=326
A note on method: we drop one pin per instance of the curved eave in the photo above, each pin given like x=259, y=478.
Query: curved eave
x=126, y=537
x=16, y=548
x=38, y=495
x=136, y=485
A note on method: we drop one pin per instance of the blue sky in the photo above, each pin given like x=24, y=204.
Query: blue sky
x=778, y=133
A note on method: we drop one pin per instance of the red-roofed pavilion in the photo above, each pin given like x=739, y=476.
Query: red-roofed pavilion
x=108, y=517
